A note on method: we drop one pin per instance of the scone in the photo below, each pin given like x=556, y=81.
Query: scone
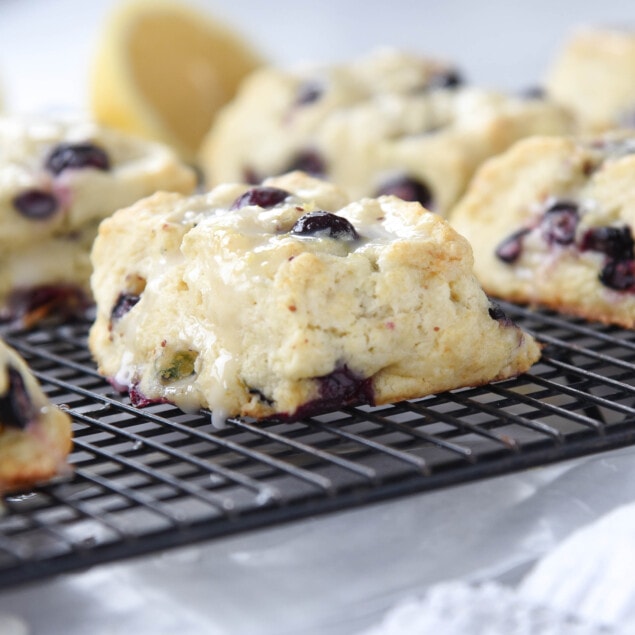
x=58, y=180
x=388, y=123
x=284, y=300
x=593, y=76
x=551, y=223
x=35, y=436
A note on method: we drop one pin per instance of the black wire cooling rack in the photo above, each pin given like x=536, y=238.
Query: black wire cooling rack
x=152, y=478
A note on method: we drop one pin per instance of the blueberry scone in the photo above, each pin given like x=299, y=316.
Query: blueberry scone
x=594, y=77
x=388, y=123
x=284, y=299
x=58, y=180
x=551, y=223
x=35, y=436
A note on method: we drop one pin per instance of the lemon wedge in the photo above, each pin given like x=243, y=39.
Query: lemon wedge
x=163, y=69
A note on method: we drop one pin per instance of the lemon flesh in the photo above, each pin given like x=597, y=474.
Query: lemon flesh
x=163, y=70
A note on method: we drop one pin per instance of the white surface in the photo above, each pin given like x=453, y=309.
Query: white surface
x=487, y=609
x=602, y=555
x=340, y=573
x=46, y=46
x=584, y=586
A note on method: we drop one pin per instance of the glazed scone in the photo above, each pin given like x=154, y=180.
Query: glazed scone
x=593, y=76
x=388, y=123
x=551, y=223
x=58, y=180
x=35, y=435
x=284, y=300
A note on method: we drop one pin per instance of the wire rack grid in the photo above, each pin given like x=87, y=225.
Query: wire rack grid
x=148, y=479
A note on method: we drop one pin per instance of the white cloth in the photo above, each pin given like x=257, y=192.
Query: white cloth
x=585, y=586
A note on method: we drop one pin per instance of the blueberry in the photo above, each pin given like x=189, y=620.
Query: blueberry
x=308, y=93
x=510, y=249
x=449, y=79
x=496, y=313
x=408, y=189
x=619, y=275
x=324, y=225
x=615, y=242
x=124, y=303
x=342, y=386
x=76, y=155
x=262, y=196
x=308, y=161
x=559, y=223
x=338, y=389
x=36, y=204
x=33, y=303
x=16, y=409
x=139, y=400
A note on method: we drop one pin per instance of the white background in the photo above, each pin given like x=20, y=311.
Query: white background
x=46, y=46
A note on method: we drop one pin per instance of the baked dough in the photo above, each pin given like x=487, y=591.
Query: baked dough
x=593, y=76
x=286, y=300
x=388, y=123
x=551, y=223
x=58, y=180
x=35, y=436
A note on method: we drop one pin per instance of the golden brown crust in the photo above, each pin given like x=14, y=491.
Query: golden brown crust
x=593, y=76
x=268, y=317
x=53, y=252
x=373, y=121
x=36, y=440
x=37, y=454
x=512, y=193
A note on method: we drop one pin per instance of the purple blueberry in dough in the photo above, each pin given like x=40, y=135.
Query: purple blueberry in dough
x=449, y=79
x=559, y=223
x=263, y=196
x=496, y=313
x=324, y=224
x=62, y=299
x=124, y=303
x=16, y=408
x=309, y=161
x=619, y=275
x=308, y=93
x=408, y=188
x=36, y=204
x=338, y=389
x=615, y=242
x=77, y=155
x=510, y=249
